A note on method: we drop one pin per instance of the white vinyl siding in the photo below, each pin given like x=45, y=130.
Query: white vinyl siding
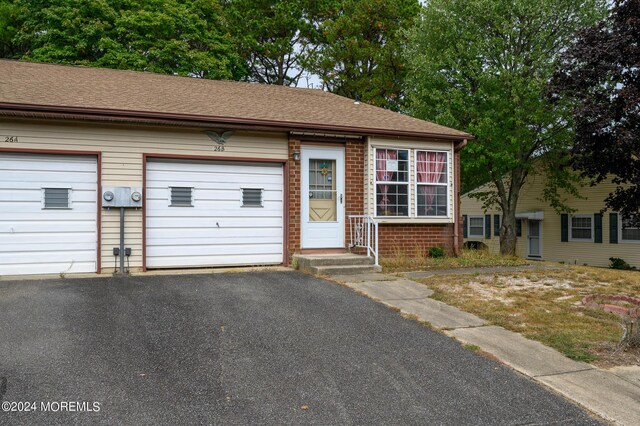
x=581, y=227
x=36, y=238
x=216, y=231
x=475, y=226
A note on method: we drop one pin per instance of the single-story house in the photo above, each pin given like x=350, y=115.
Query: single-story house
x=214, y=173
x=584, y=237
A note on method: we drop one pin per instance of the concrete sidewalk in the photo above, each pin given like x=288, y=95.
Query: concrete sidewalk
x=612, y=394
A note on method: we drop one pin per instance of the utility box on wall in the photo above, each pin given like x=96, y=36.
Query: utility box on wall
x=122, y=196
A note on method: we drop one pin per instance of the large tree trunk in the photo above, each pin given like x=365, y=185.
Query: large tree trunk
x=508, y=236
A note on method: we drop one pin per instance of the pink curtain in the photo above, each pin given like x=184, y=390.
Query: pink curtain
x=431, y=169
x=382, y=175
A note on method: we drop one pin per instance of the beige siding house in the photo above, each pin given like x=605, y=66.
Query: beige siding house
x=219, y=173
x=584, y=237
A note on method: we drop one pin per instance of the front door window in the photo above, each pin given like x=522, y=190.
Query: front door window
x=322, y=190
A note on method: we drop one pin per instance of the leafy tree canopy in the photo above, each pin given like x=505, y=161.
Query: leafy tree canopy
x=483, y=66
x=600, y=76
x=165, y=36
x=274, y=37
x=360, y=49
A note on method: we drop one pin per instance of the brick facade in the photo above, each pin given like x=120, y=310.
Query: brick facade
x=410, y=239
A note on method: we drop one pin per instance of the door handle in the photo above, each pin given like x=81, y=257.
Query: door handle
x=340, y=198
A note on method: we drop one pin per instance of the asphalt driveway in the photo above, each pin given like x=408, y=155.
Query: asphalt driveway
x=244, y=348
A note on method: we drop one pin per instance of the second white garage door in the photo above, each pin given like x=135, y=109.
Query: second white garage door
x=213, y=214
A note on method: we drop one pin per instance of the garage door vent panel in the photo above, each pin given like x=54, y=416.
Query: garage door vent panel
x=181, y=196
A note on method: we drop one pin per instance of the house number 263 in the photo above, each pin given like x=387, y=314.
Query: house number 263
x=11, y=139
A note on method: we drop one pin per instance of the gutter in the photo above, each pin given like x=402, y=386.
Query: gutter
x=8, y=109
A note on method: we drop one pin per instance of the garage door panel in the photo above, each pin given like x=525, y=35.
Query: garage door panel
x=247, y=249
x=211, y=233
x=222, y=260
x=35, y=240
x=158, y=208
x=216, y=230
x=57, y=238
x=52, y=256
x=159, y=223
x=49, y=268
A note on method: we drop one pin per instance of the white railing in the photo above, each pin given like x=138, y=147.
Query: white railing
x=364, y=233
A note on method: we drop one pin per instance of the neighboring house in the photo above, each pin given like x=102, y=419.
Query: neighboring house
x=582, y=237
x=228, y=173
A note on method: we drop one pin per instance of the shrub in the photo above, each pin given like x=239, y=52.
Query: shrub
x=617, y=263
x=436, y=252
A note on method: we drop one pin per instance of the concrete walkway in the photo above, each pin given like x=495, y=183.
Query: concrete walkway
x=612, y=394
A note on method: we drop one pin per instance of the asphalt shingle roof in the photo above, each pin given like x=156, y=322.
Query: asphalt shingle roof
x=107, y=90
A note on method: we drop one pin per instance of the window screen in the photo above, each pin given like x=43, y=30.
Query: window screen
x=181, y=196
x=56, y=198
x=251, y=197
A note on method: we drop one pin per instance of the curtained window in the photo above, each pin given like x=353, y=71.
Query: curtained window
x=392, y=182
x=432, y=183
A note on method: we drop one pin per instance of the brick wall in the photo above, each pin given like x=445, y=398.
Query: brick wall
x=413, y=240
x=393, y=238
x=293, y=245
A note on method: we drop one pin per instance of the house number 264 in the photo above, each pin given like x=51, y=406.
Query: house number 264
x=11, y=139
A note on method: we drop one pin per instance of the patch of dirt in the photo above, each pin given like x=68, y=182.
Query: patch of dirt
x=610, y=355
x=496, y=287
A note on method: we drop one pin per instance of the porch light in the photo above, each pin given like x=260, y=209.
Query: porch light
x=296, y=156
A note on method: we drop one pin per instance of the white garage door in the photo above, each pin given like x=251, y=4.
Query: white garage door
x=47, y=214
x=213, y=214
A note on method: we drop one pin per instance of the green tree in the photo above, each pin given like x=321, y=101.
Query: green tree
x=274, y=37
x=483, y=66
x=359, y=53
x=166, y=36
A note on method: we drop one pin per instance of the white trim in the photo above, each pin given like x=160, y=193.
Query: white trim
x=448, y=183
x=581, y=216
x=469, y=234
x=620, y=239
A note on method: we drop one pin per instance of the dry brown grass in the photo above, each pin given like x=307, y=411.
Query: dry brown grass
x=418, y=261
x=545, y=305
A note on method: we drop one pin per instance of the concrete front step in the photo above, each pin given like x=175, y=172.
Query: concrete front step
x=332, y=259
x=343, y=269
x=332, y=264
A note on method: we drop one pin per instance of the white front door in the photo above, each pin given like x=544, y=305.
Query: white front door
x=534, y=236
x=322, y=197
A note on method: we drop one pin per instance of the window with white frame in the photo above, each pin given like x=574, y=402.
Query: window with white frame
x=581, y=227
x=392, y=182
x=629, y=232
x=475, y=226
x=432, y=183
